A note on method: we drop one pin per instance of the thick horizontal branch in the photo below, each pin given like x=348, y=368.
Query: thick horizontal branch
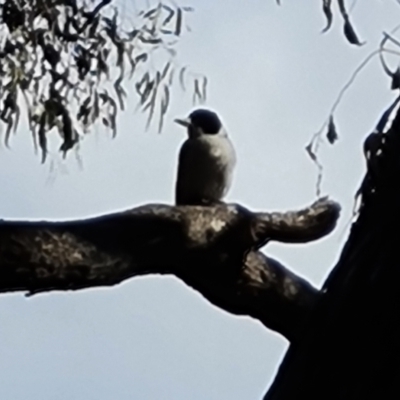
x=212, y=249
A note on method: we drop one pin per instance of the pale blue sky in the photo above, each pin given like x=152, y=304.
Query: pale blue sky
x=273, y=78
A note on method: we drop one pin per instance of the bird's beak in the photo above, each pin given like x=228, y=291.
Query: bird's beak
x=184, y=122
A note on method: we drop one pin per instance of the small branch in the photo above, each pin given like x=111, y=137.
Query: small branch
x=302, y=226
x=212, y=249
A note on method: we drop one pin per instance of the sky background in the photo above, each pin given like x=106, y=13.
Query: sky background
x=273, y=79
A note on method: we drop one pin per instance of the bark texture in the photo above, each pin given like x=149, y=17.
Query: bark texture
x=212, y=249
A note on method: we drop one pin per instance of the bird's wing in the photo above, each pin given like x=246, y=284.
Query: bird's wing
x=191, y=157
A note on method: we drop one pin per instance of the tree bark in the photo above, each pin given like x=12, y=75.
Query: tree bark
x=212, y=249
x=349, y=349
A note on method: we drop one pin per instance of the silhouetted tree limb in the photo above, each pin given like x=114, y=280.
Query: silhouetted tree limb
x=212, y=249
x=350, y=349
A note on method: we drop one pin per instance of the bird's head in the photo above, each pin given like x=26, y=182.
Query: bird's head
x=202, y=122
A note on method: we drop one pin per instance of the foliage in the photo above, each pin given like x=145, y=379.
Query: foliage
x=348, y=28
x=64, y=62
x=389, y=45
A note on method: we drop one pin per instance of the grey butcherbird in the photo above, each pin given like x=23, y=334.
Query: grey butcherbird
x=206, y=160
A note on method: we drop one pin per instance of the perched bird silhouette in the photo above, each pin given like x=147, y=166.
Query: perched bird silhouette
x=206, y=160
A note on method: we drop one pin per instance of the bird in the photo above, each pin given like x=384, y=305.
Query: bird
x=206, y=160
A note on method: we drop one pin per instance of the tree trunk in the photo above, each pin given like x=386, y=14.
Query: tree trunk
x=349, y=349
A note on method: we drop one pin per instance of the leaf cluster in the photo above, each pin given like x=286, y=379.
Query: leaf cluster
x=64, y=62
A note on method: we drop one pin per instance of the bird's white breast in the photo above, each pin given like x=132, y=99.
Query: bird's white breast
x=205, y=168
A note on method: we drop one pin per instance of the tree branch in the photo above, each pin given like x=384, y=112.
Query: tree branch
x=212, y=249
